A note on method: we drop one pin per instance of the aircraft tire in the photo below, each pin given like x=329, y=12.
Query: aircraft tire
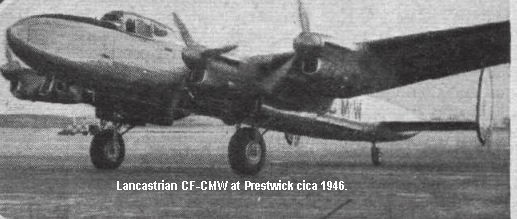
x=107, y=151
x=247, y=151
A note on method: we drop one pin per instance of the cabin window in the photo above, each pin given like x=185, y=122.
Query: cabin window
x=159, y=31
x=111, y=17
x=144, y=29
x=130, y=26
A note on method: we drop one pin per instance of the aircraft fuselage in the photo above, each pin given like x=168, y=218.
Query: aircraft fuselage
x=137, y=75
x=100, y=57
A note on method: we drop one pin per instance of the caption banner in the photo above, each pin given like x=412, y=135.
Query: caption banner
x=231, y=186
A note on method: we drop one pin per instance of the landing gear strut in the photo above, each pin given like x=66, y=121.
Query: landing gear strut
x=376, y=154
x=107, y=149
x=247, y=151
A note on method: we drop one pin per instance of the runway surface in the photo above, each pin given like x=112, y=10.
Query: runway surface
x=434, y=175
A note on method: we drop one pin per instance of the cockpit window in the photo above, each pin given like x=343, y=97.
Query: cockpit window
x=135, y=24
x=144, y=29
x=139, y=27
x=111, y=17
x=130, y=26
x=158, y=31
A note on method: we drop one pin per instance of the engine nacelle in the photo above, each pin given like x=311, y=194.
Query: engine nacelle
x=320, y=60
x=323, y=77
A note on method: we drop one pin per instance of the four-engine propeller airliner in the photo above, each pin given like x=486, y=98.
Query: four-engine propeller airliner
x=137, y=71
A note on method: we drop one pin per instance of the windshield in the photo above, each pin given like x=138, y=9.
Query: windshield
x=144, y=29
x=111, y=17
x=139, y=25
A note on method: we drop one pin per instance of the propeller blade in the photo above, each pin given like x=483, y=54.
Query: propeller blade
x=304, y=18
x=185, y=34
x=195, y=55
x=11, y=65
x=9, y=70
x=219, y=51
x=8, y=54
x=14, y=85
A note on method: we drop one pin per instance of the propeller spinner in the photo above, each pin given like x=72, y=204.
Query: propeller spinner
x=307, y=44
x=194, y=55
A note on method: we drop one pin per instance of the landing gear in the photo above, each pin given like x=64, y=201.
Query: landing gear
x=376, y=155
x=107, y=149
x=247, y=151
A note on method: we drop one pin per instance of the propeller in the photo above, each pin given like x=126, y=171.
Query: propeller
x=307, y=45
x=11, y=67
x=11, y=71
x=304, y=18
x=187, y=38
x=194, y=55
x=8, y=54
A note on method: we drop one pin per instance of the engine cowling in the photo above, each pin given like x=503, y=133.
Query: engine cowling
x=322, y=66
x=308, y=47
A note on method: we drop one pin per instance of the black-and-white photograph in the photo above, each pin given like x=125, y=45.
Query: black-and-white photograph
x=255, y=109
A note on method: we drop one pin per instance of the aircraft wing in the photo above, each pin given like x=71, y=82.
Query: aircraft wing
x=374, y=66
x=431, y=55
x=324, y=67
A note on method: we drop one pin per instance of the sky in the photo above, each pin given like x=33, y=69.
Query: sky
x=264, y=26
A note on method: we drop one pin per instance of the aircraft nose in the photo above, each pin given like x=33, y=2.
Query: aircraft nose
x=35, y=41
x=23, y=36
x=17, y=40
x=49, y=42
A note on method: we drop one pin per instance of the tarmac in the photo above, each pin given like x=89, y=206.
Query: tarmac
x=434, y=175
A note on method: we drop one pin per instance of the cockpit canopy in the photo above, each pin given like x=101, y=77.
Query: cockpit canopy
x=136, y=24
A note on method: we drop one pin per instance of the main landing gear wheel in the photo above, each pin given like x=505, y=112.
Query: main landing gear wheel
x=376, y=155
x=485, y=107
x=247, y=151
x=107, y=149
